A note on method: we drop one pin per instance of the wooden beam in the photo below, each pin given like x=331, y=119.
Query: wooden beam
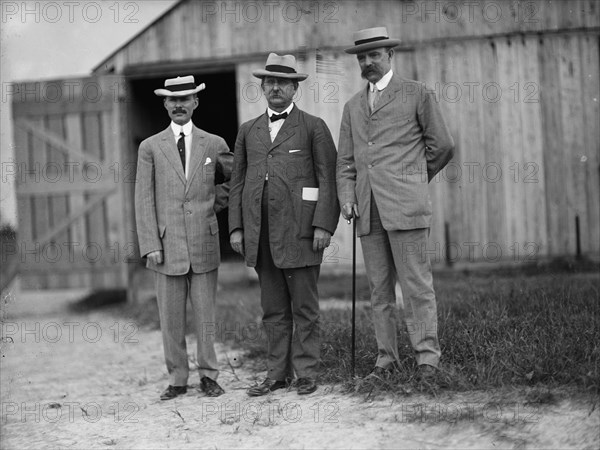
x=56, y=141
x=72, y=218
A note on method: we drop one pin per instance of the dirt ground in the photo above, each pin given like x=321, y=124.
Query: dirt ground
x=92, y=381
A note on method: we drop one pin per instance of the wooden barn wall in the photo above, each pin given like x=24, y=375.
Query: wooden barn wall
x=237, y=28
x=522, y=112
x=68, y=173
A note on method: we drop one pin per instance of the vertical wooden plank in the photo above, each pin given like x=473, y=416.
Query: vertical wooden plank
x=492, y=170
x=473, y=182
x=57, y=171
x=510, y=141
x=449, y=58
x=76, y=199
x=57, y=204
x=40, y=212
x=590, y=160
x=115, y=214
x=591, y=14
x=532, y=173
x=23, y=153
x=461, y=226
x=572, y=119
x=95, y=219
x=554, y=164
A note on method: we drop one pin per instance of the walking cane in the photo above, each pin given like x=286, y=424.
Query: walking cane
x=353, y=293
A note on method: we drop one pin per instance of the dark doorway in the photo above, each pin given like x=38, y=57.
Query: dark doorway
x=217, y=114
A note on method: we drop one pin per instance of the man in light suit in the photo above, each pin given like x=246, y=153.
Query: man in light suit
x=393, y=140
x=176, y=202
x=283, y=211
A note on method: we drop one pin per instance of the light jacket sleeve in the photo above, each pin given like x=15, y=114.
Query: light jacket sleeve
x=438, y=141
x=145, y=202
x=346, y=168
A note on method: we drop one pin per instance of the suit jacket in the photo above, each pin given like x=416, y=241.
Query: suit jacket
x=392, y=153
x=178, y=215
x=302, y=156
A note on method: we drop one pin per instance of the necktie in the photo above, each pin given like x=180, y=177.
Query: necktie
x=181, y=148
x=374, y=98
x=275, y=117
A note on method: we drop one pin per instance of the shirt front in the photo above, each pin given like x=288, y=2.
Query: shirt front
x=187, y=131
x=274, y=127
x=382, y=84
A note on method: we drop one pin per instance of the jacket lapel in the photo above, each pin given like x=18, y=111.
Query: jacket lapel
x=364, y=102
x=169, y=149
x=262, y=130
x=288, y=129
x=389, y=94
x=197, y=153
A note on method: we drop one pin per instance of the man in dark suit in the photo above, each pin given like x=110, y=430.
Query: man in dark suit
x=393, y=140
x=176, y=202
x=283, y=211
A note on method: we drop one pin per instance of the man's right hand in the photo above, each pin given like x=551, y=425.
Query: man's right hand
x=155, y=257
x=236, y=239
x=350, y=210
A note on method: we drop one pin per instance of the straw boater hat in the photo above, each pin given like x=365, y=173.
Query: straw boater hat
x=179, y=87
x=371, y=38
x=280, y=67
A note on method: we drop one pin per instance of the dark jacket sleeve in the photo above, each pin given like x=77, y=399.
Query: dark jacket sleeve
x=327, y=212
x=238, y=178
x=224, y=167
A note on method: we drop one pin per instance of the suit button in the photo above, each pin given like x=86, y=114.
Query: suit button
x=370, y=143
x=269, y=156
x=370, y=166
x=189, y=212
x=186, y=200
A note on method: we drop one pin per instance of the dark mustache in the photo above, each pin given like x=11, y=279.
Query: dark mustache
x=369, y=69
x=179, y=110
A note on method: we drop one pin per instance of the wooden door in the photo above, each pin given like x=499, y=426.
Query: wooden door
x=70, y=182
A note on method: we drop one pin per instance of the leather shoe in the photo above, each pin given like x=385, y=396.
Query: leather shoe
x=306, y=386
x=267, y=386
x=210, y=387
x=173, y=391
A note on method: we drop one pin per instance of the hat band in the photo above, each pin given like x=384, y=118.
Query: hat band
x=278, y=68
x=365, y=41
x=181, y=87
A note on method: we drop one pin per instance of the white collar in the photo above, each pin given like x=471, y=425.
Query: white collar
x=187, y=128
x=288, y=110
x=382, y=84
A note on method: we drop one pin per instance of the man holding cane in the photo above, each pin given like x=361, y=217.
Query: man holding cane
x=393, y=140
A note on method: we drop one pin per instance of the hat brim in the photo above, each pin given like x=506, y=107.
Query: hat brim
x=167, y=93
x=261, y=73
x=388, y=43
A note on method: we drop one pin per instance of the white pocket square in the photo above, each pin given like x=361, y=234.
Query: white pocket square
x=208, y=161
x=294, y=151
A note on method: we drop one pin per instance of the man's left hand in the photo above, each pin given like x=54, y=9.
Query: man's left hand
x=321, y=239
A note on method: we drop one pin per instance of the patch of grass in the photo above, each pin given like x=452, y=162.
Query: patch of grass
x=493, y=331
x=513, y=329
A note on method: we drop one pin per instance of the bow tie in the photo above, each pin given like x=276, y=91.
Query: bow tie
x=275, y=117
